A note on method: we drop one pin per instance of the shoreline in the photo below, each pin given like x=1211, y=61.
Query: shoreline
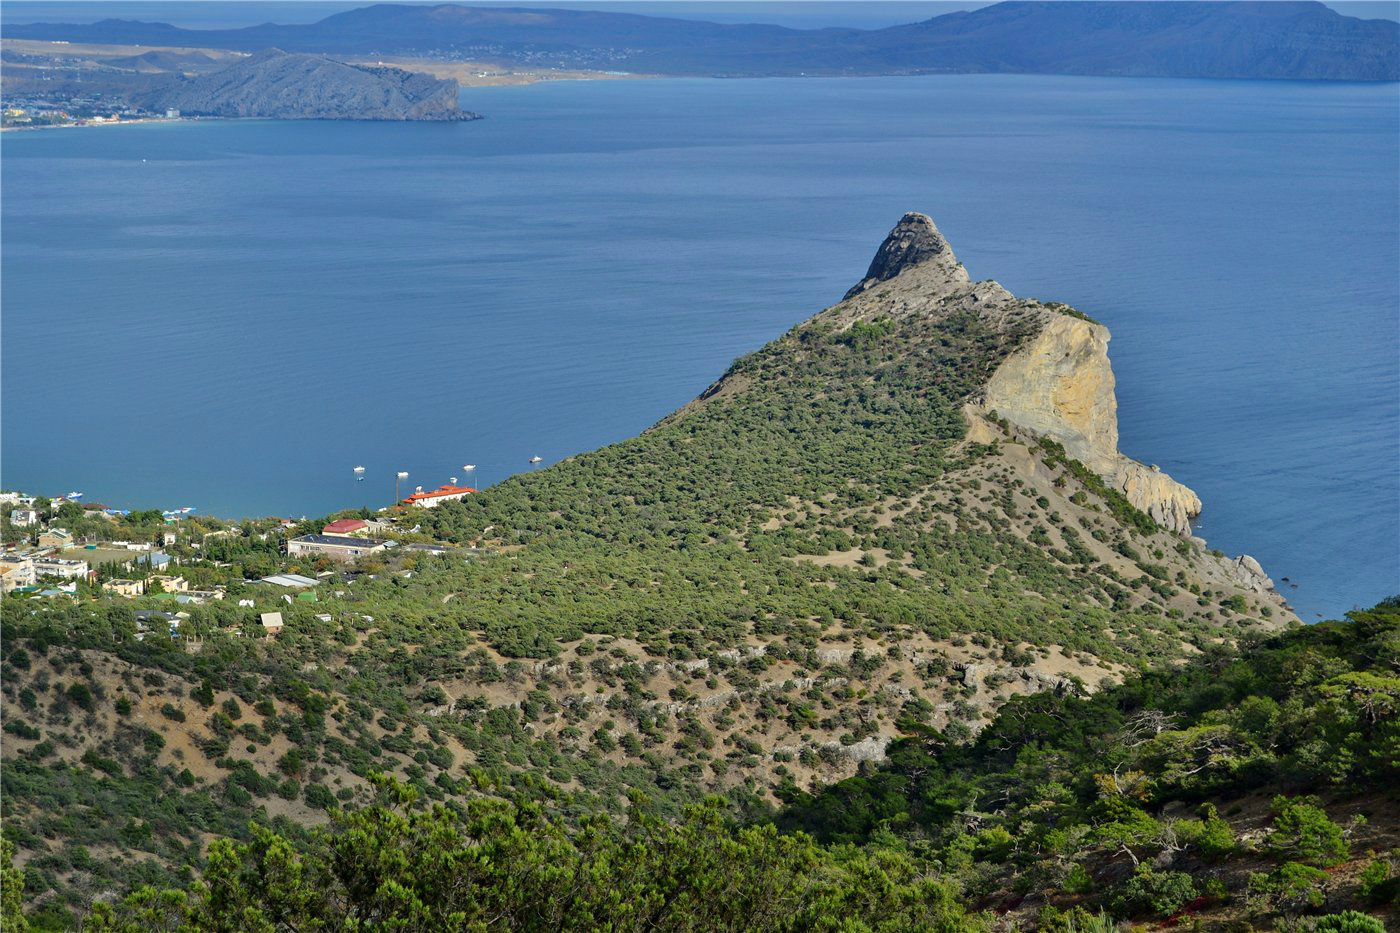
x=84, y=125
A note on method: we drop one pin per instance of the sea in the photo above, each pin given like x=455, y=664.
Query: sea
x=231, y=316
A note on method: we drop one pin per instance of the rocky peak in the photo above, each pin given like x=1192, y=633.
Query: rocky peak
x=914, y=241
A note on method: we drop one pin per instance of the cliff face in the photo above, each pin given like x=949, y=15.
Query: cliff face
x=289, y=86
x=1060, y=385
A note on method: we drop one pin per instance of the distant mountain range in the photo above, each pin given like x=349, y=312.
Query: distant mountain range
x=1297, y=40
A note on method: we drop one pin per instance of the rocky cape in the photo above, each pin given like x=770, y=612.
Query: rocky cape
x=1056, y=384
x=298, y=86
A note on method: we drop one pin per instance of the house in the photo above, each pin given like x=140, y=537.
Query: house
x=159, y=560
x=23, y=518
x=170, y=584
x=55, y=538
x=152, y=619
x=436, y=497
x=124, y=587
x=336, y=547
x=59, y=567
x=272, y=622
x=347, y=526
x=16, y=572
x=205, y=596
x=289, y=580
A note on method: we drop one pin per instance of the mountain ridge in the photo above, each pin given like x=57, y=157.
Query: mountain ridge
x=1289, y=39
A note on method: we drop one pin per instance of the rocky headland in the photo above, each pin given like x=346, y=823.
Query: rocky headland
x=298, y=86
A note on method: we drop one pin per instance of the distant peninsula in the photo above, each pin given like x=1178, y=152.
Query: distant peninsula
x=1125, y=38
x=272, y=84
x=300, y=86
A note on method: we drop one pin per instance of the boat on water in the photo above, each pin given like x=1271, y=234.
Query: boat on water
x=74, y=495
x=469, y=467
x=359, y=469
x=536, y=459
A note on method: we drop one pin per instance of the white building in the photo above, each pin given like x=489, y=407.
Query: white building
x=60, y=567
x=23, y=518
x=436, y=497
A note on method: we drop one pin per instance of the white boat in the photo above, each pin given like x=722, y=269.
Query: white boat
x=359, y=469
x=75, y=495
x=468, y=467
x=536, y=459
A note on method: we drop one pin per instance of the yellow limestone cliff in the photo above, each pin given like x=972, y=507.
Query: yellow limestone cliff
x=1058, y=383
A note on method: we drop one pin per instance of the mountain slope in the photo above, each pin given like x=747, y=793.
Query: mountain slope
x=1299, y=40
x=282, y=85
x=838, y=535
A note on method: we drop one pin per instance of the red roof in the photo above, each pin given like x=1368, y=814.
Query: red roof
x=439, y=493
x=343, y=526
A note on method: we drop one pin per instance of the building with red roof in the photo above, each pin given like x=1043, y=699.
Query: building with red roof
x=346, y=526
x=436, y=497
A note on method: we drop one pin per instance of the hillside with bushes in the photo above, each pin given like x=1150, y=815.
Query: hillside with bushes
x=839, y=545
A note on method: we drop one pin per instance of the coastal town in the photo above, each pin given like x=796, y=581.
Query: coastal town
x=166, y=562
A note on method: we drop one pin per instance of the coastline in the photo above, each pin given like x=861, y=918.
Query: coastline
x=88, y=123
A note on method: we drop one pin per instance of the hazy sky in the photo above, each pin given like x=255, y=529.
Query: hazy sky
x=802, y=14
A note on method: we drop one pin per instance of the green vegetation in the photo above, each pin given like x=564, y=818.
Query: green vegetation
x=1136, y=776
x=727, y=612
x=1088, y=826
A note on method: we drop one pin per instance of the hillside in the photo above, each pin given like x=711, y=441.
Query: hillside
x=1293, y=40
x=909, y=506
x=1248, y=790
x=295, y=86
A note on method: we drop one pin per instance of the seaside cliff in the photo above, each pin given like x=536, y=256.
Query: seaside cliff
x=1058, y=383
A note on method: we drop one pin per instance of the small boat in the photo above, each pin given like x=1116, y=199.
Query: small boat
x=536, y=459
x=359, y=469
x=468, y=467
x=75, y=495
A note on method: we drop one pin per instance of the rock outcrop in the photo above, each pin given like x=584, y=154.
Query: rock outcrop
x=914, y=241
x=1058, y=383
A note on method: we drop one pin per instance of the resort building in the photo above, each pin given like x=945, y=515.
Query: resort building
x=436, y=497
x=336, y=547
x=59, y=567
x=125, y=587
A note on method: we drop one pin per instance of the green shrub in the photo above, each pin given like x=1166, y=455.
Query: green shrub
x=1303, y=831
x=1154, y=893
x=1348, y=921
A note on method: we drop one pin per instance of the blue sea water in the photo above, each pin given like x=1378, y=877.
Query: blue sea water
x=231, y=315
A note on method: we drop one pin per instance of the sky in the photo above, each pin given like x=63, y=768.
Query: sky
x=799, y=14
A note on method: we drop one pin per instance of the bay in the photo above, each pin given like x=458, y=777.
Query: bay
x=230, y=315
